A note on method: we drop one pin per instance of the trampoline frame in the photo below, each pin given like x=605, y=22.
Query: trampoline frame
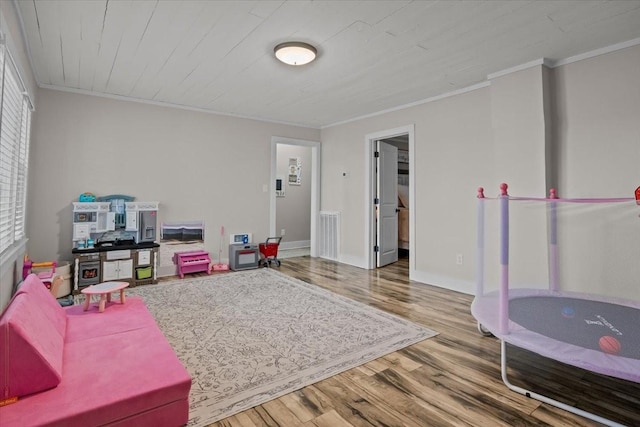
x=503, y=293
x=547, y=399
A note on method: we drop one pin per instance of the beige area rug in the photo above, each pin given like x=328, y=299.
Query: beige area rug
x=249, y=337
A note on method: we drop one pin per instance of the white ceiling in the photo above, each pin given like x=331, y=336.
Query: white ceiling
x=373, y=55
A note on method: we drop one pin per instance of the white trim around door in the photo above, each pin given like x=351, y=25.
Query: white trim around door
x=370, y=188
x=315, y=185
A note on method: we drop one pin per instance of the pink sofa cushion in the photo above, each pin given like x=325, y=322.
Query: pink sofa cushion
x=110, y=379
x=41, y=296
x=116, y=319
x=32, y=348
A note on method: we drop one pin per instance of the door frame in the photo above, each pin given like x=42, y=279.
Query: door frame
x=370, y=192
x=315, y=185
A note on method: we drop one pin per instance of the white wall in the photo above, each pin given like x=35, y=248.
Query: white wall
x=198, y=166
x=518, y=114
x=517, y=122
x=598, y=125
x=453, y=156
x=293, y=211
x=576, y=125
x=581, y=124
x=598, y=136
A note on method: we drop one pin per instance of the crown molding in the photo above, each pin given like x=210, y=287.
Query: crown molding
x=413, y=104
x=542, y=61
x=167, y=105
x=597, y=52
x=560, y=62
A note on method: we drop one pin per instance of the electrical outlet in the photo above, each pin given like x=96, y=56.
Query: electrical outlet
x=459, y=259
x=282, y=232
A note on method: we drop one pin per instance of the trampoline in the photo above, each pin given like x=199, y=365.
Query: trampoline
x=596, y=331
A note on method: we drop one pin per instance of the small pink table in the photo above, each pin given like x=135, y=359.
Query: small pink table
x=104, y=290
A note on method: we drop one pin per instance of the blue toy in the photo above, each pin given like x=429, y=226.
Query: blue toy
x=87, y=197
x=568, y=312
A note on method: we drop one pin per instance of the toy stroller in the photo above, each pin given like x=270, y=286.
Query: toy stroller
x=269, y=251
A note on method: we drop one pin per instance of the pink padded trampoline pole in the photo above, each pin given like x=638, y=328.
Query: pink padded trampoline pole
x=553, y=242
x=480, y=245
x=504, y=260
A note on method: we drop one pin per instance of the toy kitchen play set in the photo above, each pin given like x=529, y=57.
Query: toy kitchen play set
x=114, y=239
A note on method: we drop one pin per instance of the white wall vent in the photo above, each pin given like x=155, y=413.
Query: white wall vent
x=329, y=241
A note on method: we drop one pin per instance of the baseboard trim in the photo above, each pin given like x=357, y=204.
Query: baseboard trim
x=300, y=244
x=353, y=260
x=445, y=282
x=167, y=270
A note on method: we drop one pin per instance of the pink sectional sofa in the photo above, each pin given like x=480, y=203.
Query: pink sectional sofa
x=68, y=367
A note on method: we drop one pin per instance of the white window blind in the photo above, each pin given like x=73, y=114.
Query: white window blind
x=15, y=120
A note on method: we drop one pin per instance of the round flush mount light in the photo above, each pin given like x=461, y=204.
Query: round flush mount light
x=295, y=53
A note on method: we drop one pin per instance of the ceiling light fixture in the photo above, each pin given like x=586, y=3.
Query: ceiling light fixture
x=295, y=53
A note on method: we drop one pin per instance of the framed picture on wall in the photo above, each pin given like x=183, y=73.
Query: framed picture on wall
x=295, y=171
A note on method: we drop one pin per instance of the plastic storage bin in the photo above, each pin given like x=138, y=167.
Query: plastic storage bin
x=144, y=272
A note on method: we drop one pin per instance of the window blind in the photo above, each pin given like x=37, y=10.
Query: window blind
x=15, y=121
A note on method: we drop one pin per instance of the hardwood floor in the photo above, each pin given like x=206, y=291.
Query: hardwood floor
x=452, y=379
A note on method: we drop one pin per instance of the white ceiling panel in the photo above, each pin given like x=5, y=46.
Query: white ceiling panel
x=372, y=55
x=91, y=21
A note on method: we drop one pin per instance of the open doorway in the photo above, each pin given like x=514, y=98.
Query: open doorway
x=294, y=194
x=379, y=178
x=401, y=142
x=293, y=200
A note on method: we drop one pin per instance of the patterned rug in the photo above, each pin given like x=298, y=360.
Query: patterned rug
x=249, y=337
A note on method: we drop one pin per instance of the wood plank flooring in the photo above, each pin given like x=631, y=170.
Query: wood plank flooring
x=452, y=379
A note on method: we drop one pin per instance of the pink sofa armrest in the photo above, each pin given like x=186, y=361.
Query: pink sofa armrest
x=40, y=296
x=32, y=349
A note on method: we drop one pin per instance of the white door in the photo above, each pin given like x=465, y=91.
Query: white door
x=125, y=269
x=109, y=270
x=387, y=206
x=116, y=270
